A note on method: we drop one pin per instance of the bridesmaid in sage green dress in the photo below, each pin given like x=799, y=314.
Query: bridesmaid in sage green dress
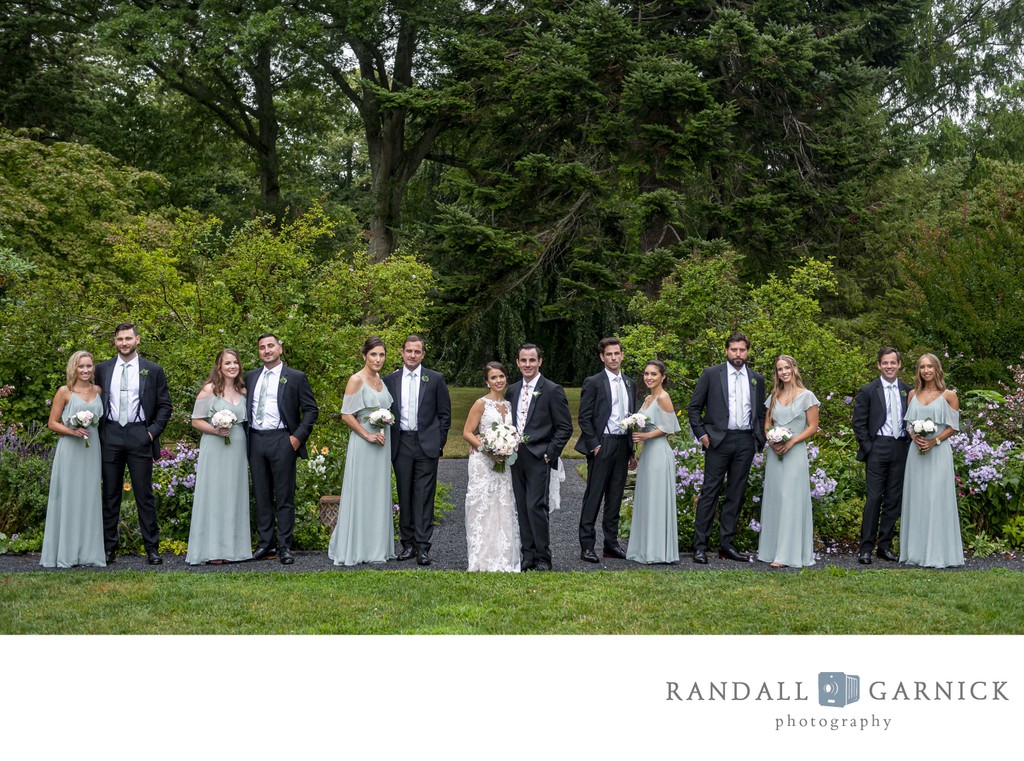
x=787, y=526
x=654, y=531
x=365, y=532
x=219, y=531
x=930, y=521
x=73, y=534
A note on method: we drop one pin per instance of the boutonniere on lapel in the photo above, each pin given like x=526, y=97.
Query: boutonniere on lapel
x=283, y=380
x=424, y=378
x=143, y=372
x=753, y=382
x=535, y=394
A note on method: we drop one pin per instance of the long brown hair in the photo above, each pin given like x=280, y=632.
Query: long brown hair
x=219, y=381
x=777, y=384
x=71, y=373
x=940, y=377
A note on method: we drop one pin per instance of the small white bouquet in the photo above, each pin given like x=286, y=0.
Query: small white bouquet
x=501, y=441
x=923, y=428
x=223, y=419
x=379, y=418
x=778, y=435
x=82, y=419
x=635, y=422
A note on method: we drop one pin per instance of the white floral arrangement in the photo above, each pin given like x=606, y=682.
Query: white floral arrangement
x=223, y=420
x=923, y=428
x=778, y=435
x=82, y=419
x=501, y=441
x=379, y=418
x=635, y=422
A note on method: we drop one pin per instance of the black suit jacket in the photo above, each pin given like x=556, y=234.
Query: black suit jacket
x=548, y=423
x=708, y=410
x=869, y=413
x=154, y=398
x=295, y=402
x=596, y=406
x=433, y=413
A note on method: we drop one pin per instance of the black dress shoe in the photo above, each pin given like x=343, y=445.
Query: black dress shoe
x=111, y=556
x=526, y=566
x=864, y=558
x=699, y=556
x=614, y=551
x=590, y=556
x=423, y=558
x=542, y=565
x=285, y=556
x=262, y=553
x=887, y=555
x=153, y=558
x=728, y=553
x=407, y=553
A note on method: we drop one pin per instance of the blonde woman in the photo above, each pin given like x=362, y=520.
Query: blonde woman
x=930, y=521
x=787, y=528
x=73, y=534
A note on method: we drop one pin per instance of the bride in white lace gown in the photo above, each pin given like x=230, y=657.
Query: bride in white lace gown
x=492, y=528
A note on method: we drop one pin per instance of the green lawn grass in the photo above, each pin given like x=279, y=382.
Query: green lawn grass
x=832, y=601
x=462, y=400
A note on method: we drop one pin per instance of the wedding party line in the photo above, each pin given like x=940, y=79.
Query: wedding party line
x=255, y=426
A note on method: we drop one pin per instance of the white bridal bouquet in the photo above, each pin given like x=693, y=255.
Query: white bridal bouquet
x=635, y=422
x=923, y=428
x=82, y=419
x=379, y=418
x=778, y=435
x=224, y=419
x=501, y=441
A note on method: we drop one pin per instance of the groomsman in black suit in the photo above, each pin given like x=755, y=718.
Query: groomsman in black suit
x=282, y=411
x=136, y=408
x=882, y=443
x=542, y=415
x=727, y=415
x=605, y=400
x=423, y=411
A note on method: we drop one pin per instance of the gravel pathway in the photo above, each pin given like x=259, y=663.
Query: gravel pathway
x=449, y=550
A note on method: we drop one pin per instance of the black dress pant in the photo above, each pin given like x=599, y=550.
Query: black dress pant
x=531, y=480
x=416, y=478
x=128, y=446
x=729, y=462
x=886, y=463
x=606, y=480
x=272, y=469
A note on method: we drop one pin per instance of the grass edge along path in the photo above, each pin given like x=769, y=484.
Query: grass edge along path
x=448, y=602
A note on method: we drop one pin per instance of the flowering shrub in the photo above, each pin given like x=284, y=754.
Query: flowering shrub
x=174, y=483
x=26, y=456
x=988, y=455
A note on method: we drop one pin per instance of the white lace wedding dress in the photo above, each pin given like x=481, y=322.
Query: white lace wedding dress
x=492, y=528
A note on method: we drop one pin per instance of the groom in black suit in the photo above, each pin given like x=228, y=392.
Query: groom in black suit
x=542, y=415
x=727, y=415
x=605, y=400
x=423, y=411
x=882, y=443
x=136, y=408
x=282, y=411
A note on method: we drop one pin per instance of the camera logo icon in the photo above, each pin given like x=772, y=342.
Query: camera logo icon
x=837, y=689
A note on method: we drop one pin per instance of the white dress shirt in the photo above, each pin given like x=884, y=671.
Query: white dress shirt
x=893, y=425
x=135, y=411
x=410, y=398
x=620, y=405
x=739, y=399
x=271, y=412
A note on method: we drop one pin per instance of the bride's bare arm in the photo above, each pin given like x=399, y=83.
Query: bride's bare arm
x=473, y=423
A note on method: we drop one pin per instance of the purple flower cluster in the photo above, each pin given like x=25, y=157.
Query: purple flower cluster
x=178, y=470
x=984, y=463
x=822, y=484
